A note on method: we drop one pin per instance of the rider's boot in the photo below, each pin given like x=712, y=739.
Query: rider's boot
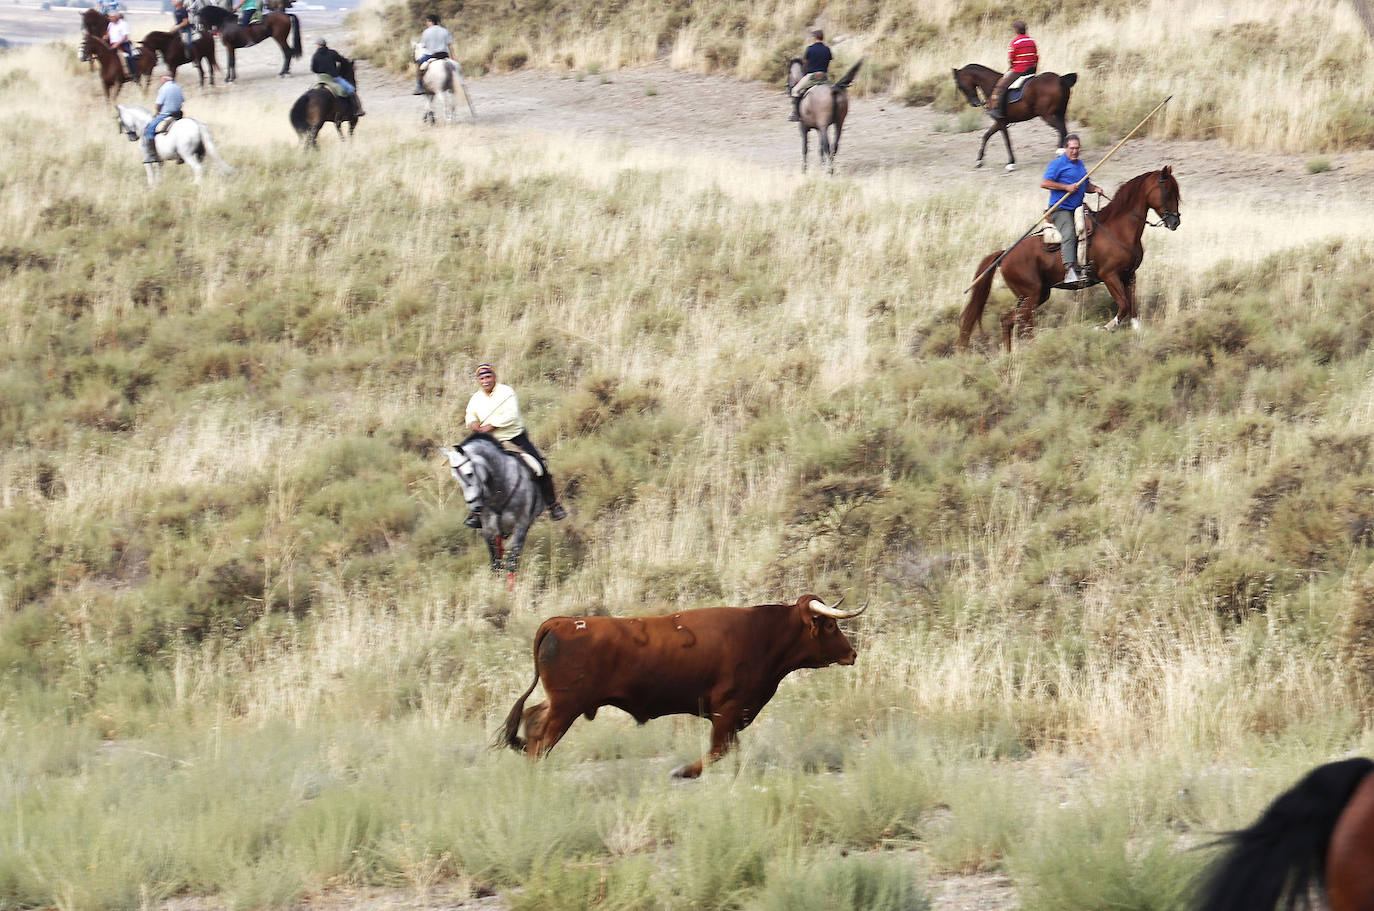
x=420, y=85
x=149, y=150
x=796, y=109
x=474, y=520
x=556, y=510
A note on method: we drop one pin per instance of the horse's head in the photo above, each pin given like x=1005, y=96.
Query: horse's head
x=964, y=81
x=1164, y=198
x=470, y=472
x=124, y=123
x=795, y=70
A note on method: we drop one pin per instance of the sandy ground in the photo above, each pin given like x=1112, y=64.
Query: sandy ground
x=738, y=122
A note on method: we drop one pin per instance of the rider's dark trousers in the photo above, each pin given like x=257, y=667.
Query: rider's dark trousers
x=522, y=439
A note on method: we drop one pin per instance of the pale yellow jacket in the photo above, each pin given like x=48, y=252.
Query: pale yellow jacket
x=500, y=410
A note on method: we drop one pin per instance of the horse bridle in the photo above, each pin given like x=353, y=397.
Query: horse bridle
x=485, y=479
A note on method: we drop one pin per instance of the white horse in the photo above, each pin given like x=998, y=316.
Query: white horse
x=186, y=141
x=439, y=79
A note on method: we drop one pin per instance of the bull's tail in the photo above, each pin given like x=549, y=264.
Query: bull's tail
x=848, y=77
x=972, y=317
x=510, y=731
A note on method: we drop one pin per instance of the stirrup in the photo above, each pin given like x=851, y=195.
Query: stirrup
x=557, y=512
x=473, y=521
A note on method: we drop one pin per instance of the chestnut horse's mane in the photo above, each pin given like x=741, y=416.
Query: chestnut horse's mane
x=1128, y=195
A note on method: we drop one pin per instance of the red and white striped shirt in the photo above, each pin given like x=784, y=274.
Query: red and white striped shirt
x=1023, y=54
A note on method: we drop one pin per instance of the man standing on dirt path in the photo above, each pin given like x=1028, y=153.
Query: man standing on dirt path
x=1024, y=58
x=494, y=410
x=1066, y=176
x=816, y=61
x=436, y=44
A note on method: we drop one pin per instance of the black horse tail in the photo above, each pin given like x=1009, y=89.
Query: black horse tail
x=849, y=76
x=510, y=731
x=973, y=311
x=299, y=121
x=295, y=35
x=1284, y=852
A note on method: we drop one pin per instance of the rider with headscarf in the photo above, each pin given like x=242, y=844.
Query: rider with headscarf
x=493, y=410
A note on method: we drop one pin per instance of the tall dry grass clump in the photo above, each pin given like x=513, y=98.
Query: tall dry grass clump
x=250, y=651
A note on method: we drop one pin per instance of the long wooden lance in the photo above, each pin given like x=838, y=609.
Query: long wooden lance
x=1046, y=214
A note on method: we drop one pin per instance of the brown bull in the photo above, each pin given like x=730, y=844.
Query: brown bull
x=721, y=663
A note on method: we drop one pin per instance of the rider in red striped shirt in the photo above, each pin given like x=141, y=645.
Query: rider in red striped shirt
x=1024, y=59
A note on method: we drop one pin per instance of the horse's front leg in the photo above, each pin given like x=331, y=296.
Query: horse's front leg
x=495, y=551
x=1122, y=294
x=517, y=544
x=983, y=146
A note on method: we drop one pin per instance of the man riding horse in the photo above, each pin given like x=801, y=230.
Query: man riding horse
x=1024, y=58
x=1067, y=179
x=118, y=37
x=493, y=410
x=170, y=101
x=817, y=61
x=325, y=64
x=437, y=43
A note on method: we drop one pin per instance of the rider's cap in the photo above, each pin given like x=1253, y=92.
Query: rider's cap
x=320, y=42
x=486, y=370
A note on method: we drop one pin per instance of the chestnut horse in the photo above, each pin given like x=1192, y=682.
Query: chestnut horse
x=1111, y=256
x=1319, y=832
x=822, y=107
x=284, y=28
x=1044, y=95
x=113, y=73
x=174, y=54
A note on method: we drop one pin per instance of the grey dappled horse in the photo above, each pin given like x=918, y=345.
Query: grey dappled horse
x=442, y=80
x=502, y=491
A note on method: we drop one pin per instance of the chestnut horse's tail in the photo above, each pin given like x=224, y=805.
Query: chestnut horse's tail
x=1284, y=852
x=296, y=49
x=978, y=299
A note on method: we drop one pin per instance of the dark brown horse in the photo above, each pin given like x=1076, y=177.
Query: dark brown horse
x=174, y=53
x=93, y=22
x=320, y=105
x=283, y=28
x=1045, y=95
x=1318, y=833
x=1112, y=256
x=113, y=73
x=822, y=107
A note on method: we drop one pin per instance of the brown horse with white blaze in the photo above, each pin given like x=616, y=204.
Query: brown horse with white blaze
x=720, y=663
x=1045, y=95
x=1114, y=253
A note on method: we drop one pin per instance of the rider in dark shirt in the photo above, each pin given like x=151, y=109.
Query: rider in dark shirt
x=327, y=62
x=181, y=17
x=816, y=60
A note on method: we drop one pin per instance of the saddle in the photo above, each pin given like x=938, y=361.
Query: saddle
x=1084, y=219
x=328, y=82
x=166, y=125
x=529, y=460
x=1017, y=87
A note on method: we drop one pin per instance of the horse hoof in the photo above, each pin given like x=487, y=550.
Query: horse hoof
x=978, y=163
x=1011, y=167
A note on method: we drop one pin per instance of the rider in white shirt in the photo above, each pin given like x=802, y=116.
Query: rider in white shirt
x=493, y=410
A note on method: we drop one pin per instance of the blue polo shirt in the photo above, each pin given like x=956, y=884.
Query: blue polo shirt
x=1061, y=170
x=170, y=98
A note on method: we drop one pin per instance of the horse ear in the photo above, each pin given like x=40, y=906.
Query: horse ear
x=1169, y=170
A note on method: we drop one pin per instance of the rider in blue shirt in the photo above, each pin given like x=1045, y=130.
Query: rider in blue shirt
x=1067, y=178
x=169, y=102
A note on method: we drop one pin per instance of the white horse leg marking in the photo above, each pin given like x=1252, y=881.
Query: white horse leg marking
x=1135, y=324
x=1112, y=324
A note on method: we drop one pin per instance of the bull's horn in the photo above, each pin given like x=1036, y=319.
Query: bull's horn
x=825, y=610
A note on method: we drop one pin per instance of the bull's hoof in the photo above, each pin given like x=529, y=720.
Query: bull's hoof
x=1011, y=166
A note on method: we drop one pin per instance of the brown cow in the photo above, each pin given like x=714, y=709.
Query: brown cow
x=722, y=663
